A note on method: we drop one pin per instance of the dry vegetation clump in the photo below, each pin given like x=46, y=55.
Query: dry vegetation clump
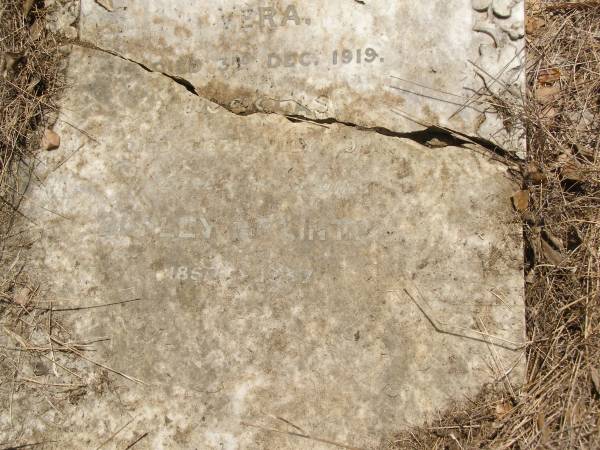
x=559, y=405
x=40, y=364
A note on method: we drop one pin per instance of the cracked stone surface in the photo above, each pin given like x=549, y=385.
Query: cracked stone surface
x=288, y=272
x=400, y=65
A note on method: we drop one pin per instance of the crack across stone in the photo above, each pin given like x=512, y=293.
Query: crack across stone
x=431, y=136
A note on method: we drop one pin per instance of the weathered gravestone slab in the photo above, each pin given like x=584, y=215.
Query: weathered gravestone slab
x=401, y=65
x=315, y=279
x=286, y=270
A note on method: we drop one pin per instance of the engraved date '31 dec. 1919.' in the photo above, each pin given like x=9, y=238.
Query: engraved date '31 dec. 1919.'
x=269, y=19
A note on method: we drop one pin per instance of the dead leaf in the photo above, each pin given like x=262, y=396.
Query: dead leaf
x=595, y=379
x=573, y=174
x=575, y=413
x=35, y=31
x=70, y=32
x=570, y=168
x=27, y=5
x=551, y=255
x=548, y=113
x=541, y=421
x=502, y=409
x=584, y=153
x=546, y=94
x=530, y=218
x=22, y=296
x=534, y=174
x=556, y=242
x=530, y=277
x=549, y=76
x=541, y=424
x=436, y=143
x=520, y=200
x=106, y=4
x=51, y=140
x=535, y=241
x=533, y=24
x=8, y=63
x=563, y=160
x=574, y=238
x=582, y=120
x=35, y=80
